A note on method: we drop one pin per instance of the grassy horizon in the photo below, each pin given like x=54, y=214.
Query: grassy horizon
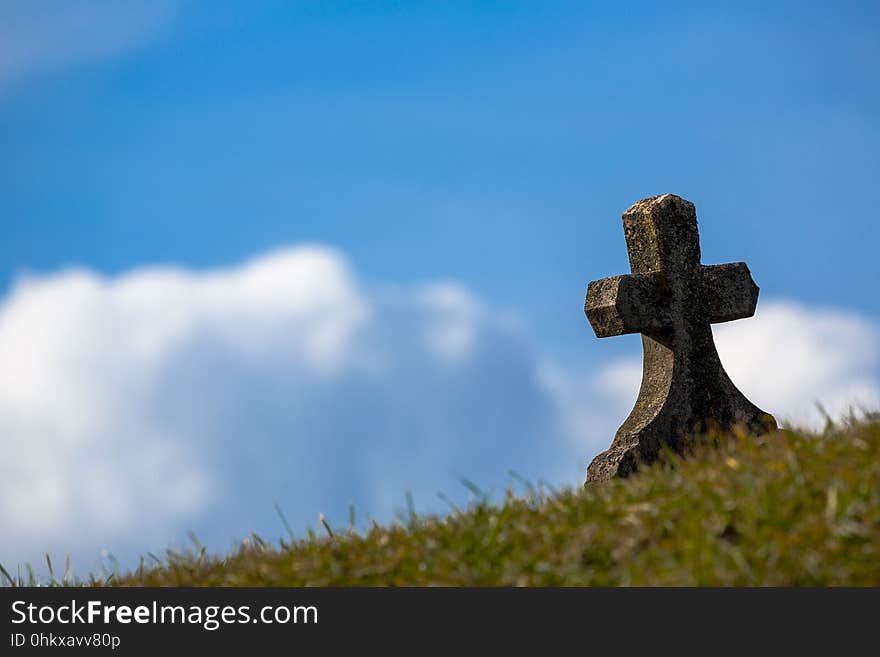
x=789, y=508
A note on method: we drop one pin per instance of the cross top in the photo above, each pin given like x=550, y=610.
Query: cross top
x=671, y=299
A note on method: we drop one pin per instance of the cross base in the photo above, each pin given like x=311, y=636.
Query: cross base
x=680, y=400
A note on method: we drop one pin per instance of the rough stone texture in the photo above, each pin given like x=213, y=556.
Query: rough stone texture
x=671, y=299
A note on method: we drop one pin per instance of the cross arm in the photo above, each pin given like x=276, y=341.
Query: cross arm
x=632, y=303
x=729, y=292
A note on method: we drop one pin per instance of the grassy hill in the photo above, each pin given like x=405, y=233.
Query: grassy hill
x=792, y=508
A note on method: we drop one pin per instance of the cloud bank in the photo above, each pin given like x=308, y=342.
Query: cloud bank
x=797, y=362
x=137, y=407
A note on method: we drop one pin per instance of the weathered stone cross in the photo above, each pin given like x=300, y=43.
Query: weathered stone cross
x=671, y=299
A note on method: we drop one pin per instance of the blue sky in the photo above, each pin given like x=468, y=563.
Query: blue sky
x=488, y=147
x=497, y=143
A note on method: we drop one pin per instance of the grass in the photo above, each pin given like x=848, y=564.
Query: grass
x=791, y=508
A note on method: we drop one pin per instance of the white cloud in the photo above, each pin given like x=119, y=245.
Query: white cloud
x=787, y=359
x=790, y=357
x=455, y=313
x=134, y=408
x=37, y=36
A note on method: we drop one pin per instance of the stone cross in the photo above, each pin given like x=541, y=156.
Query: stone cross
x=671, y=299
